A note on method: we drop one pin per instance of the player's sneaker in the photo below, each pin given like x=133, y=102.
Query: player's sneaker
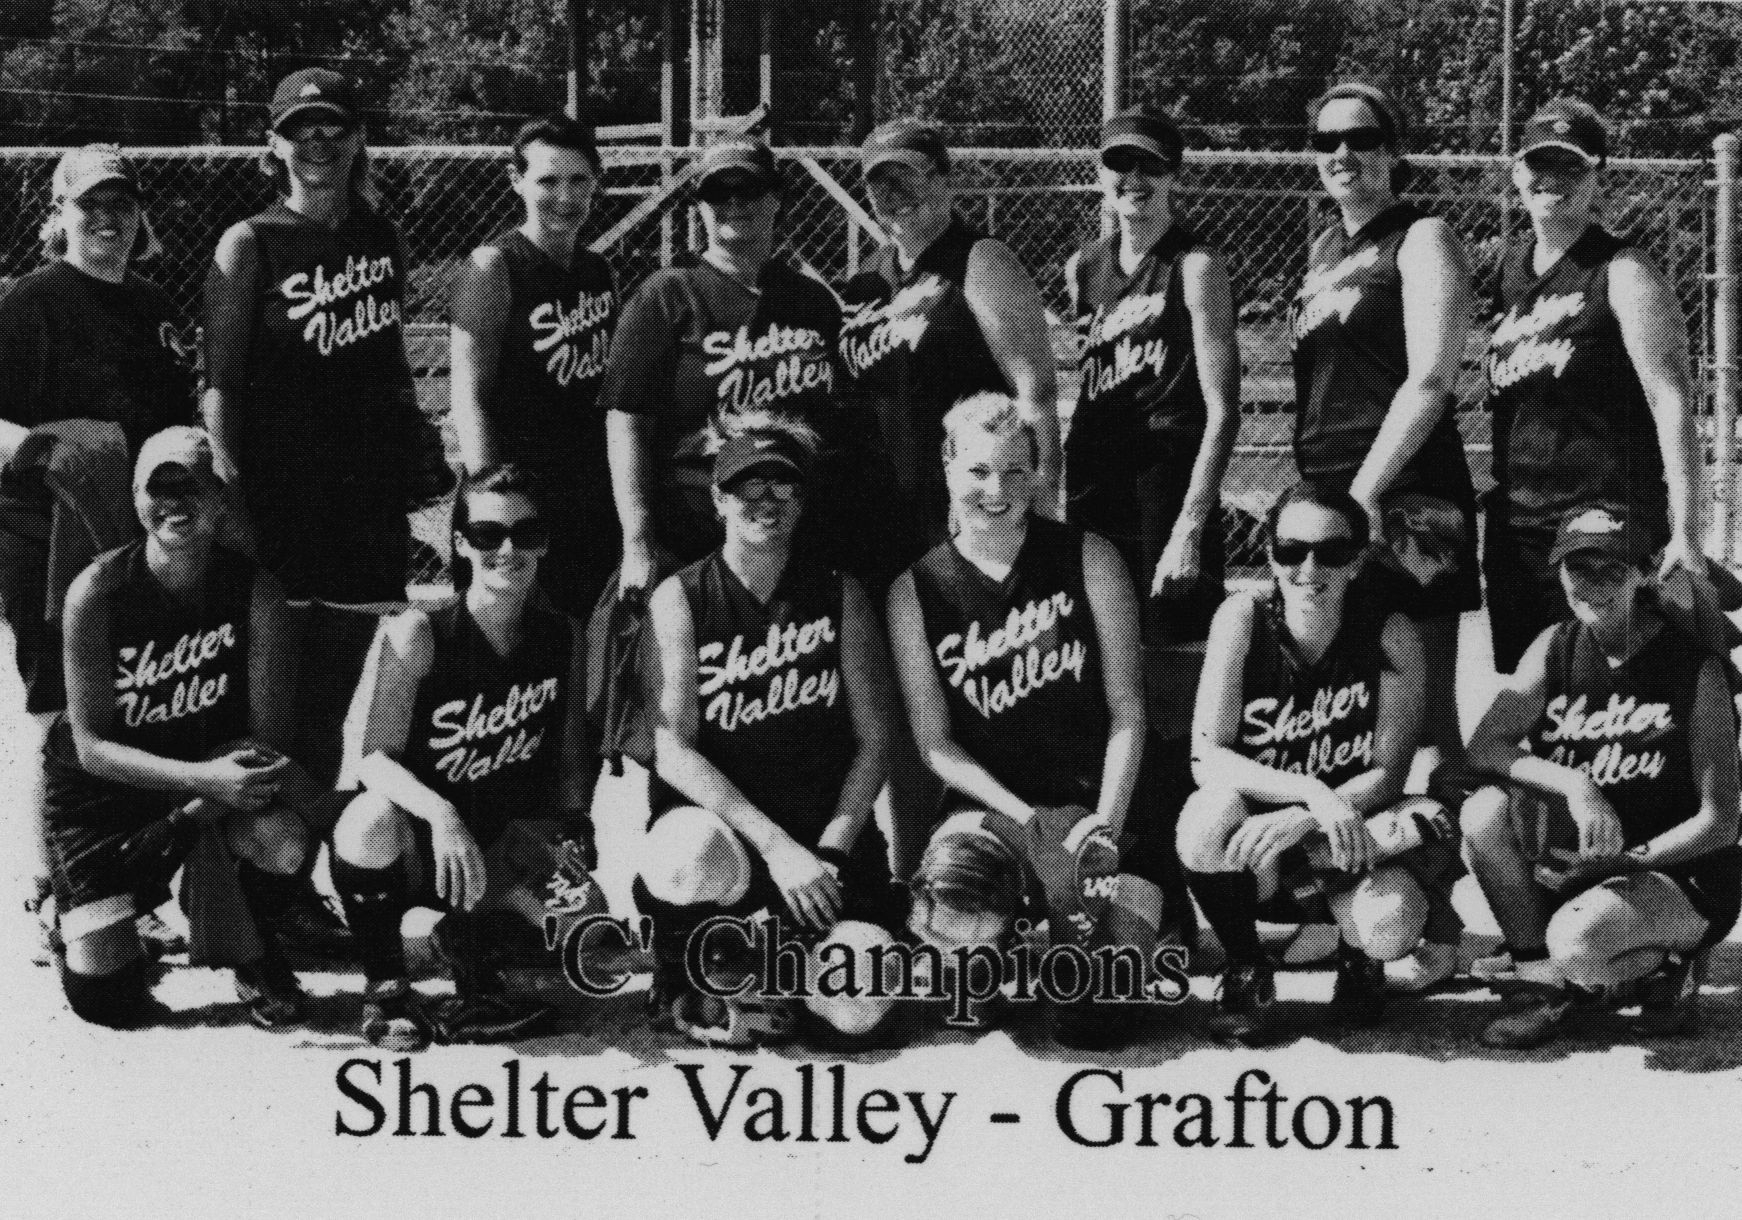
x=1244, y=996
x=1537, y=1018
x=304, y=922
x=1669, y=997
x=270, y=989
x=473, y=973
x=392, y=1016
x=1432, y=962
x=1359, y=992
x=160, y=940
x=47, y=947
x=466, y=1020
x=1495, y=965
x=740, y=1021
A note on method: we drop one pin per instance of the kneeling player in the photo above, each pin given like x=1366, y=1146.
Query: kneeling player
x=771, y=740
x=176, y=659
x=1613, y=857
x=1307, y=718
x=467, y=717
x=1016, y=642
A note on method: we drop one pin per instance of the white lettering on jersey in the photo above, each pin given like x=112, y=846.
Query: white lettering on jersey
x=1323, y=294
x=555, y=330
x=138, y=669
x=1268, y=727
x=871, y=331
x=1529, y=353
x=748, y=381
x=721, y=666
x=1030, y=669
x=313, y=297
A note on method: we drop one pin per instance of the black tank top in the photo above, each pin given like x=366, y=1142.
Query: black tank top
x=912, y=348
x=1626, y=727
x=770, y=698
x=1350, y=358
x=1140, y=398
x=1020, y=664
x=1305, y=718
x=1571, y=423
x=486, y=730
x=180, y=668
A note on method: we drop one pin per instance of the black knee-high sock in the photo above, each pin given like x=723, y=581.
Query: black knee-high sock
x=672, y=922
x=375, y=901
x=463, y=942
x=1230, y=904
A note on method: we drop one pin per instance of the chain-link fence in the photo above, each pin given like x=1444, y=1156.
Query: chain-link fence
x=1258, y=207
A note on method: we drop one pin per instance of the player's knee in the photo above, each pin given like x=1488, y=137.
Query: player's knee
x=371, y=832
x=840, y=982
x=1384, y=914
x=1486, y=824
x=1209, y=817
x=1589, y=934
x=273, y=842
x=119, y=999
x=690, y=856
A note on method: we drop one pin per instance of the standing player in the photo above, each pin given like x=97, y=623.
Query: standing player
x=177, y=663
x=1379, y=325
x=1017, y=646
x=771, y=740
x=1610, y=855
x=1590, y=386
x=308, y=384
x=533, y=312
x=466, y=718
x=1307, y=719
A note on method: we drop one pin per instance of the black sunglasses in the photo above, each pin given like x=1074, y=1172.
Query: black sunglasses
x=1331, y=553
x=1124, y=160
x=173, y=485
x=527, y=534
x=1359, y=139
x=755, y=488
x=716, y=191
x=313, y=131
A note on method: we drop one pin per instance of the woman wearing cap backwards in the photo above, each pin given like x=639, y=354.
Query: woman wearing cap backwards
x=177, y=664
x=1589, y=383
x=533, y=312
x=1378, y=326
x=1609, y=852
x=736, y=331
x=309, y=391
x=773, y=725
x=92, y=358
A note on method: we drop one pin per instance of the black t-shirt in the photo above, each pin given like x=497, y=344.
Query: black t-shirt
x=1350, y=357
x=1571, y=422
x=771, y=702
x=1308, y=718
x=76, y=347
x=1020, y=664
x=487, y=729
x=1140, y=399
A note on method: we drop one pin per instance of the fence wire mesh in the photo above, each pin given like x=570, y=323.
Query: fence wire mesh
x=1259, y=208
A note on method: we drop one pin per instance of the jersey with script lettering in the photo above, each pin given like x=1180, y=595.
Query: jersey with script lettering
x=1626, y=726
x=1140, y=399
x=180, y=666
x=1350, y=357
x=1311, y=718
x=1020, y=664
x=771, y=704
x=487, y=729
x=912, y=348
x=1571, y=422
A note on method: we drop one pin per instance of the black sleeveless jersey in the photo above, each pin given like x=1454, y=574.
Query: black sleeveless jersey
x=487, y=730
x=1571, y=422
x=1626, y=727
x=1140, y=397
x=1020, y=663
x=180, y=667
x=1305, y=718
x=1350, y=358
x=771, y=703
x=554, y=347
x=912, y=349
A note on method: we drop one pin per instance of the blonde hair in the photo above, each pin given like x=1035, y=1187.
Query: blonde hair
x=992, y=413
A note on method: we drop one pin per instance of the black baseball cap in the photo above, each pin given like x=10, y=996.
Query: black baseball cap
x=744, y=155
x=766, y=452
x=1606, y=529
x=914, y=143
x=1568, y=125
x=1147, y=130
x=314, y=91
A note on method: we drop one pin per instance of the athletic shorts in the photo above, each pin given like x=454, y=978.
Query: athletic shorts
x=112, y=849
x=36, y=640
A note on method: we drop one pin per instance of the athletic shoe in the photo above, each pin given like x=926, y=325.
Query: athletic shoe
x=1359, y=992
x=740, y=1021
x=471, y=977
x=48, y=947
x=1495, y=965
x=307, y=926
x=1243, y=999
x=1430, y=963
x=466, y=1020
x=1669, y=997
x=393, y=1018
x=271, y=991
x=1535, y=1020
x=160, y=940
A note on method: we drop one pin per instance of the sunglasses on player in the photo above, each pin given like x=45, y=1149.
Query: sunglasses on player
x=1359, y=139
x=1135, y=160
x=297, y=132
x=716, y=191
x=527, y=534
x=1331, y=552
x=753, y=489
x=173, y=483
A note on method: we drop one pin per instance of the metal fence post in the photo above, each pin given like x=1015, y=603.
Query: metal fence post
x=1724, y=336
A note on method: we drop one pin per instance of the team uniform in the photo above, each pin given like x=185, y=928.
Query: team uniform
x=1350, y=357
x=695, y=346
x=543, y=405
x=181, y=691
x=76, y=347
x=1571, y=426
x=911, y=346
x=1627, y=727
x=1139, y=424
x=329, y=410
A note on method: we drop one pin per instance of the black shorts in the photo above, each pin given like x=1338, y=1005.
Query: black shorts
x=420, y=861
x=112, y=849
x=1524, y=589
x=36, y=640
